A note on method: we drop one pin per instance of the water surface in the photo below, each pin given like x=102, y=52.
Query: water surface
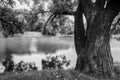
x=41, y=46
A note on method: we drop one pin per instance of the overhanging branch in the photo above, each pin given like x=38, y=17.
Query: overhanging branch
x=57, y=12
x=65, y=13
x=52, y=16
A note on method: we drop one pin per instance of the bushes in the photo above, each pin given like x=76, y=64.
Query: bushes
x=10, y=66
x=51, y=62
x=117, y=67
x=55, y=62
x=22, y=66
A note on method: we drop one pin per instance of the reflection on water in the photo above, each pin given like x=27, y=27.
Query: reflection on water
x=40, y=46
x=115, y=50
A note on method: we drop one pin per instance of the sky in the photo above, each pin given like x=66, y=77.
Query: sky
x=24, y=6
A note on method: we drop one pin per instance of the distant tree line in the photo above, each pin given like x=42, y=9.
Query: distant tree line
x=17, y=21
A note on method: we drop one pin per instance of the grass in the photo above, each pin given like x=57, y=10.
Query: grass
x=54, y=75
x=42, y=75
x=46, y=75
x=49, y=75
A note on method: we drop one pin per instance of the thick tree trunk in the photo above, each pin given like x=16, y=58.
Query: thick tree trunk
x=79, y=34
x=94, y=54
x=97, y=57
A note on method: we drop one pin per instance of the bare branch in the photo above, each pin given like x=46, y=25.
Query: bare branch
x=57, y=12
x=52, y=16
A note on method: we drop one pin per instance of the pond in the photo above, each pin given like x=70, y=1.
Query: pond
x=42, y=46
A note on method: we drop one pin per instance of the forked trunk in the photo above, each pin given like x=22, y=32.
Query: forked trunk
x=95, y=57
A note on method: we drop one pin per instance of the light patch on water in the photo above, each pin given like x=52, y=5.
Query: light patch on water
x=115, y=53
x=33, y=47
x=70, y=55
x=115, y=49
x=37, y=57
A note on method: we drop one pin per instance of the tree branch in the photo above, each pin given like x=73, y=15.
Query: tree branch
x=52, y=16
x=101, y=3
x=65, y=13
x=57, y=12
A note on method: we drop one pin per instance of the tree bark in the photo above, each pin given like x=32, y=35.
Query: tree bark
x=93, y=47
x=79, y=34
x=97, y=57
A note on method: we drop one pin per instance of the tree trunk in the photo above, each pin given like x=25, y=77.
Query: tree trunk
x=79, y=34
x=95, y=57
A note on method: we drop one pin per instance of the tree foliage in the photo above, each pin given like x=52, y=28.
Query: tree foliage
x=10, y=24
x=7, y=3
x=35, y=19
x=115, y=27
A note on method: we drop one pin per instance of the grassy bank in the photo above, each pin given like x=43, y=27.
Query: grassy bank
x=49, y=75
x=46, y=75
x=52, y=75
x=55, y=75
